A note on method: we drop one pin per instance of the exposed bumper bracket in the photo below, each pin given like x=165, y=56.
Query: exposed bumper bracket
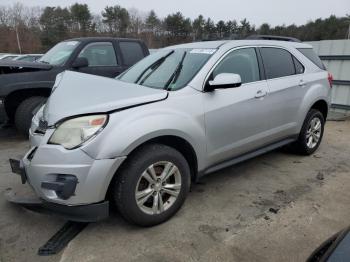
x=17, y=167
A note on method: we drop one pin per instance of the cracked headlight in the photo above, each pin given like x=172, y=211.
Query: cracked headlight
x=73, y=132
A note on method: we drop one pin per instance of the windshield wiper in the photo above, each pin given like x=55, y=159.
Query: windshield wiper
x=153, y=66
x=44, y=62
x=176, y=73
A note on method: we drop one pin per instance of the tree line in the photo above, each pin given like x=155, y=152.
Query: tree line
x=33, y=29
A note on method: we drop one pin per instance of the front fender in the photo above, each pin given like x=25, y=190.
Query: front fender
x=27, y=80
x=131, y=128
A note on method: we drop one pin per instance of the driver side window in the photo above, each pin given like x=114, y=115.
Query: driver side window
x=99, y=54
x=243, y=62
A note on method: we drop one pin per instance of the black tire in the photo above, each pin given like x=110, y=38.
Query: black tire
x=25, y=113
x=301, y=145
x=127, y=179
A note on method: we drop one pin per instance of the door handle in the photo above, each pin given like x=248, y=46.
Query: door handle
x=260, y=93
x=302, y=83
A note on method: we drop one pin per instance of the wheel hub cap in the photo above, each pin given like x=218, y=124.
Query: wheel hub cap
x=158, y=187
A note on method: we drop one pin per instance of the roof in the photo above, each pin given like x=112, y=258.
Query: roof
x=234, y=43
x=273, y=37
x=100, y=38
x=203, y=44
x=30, y=55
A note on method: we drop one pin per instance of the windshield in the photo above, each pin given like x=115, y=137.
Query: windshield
x=59, y=54
x=168, y=69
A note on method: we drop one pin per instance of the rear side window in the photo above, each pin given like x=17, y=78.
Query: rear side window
x=311, y=55
x=277, y=62
x=299, y=68
x=132, y=52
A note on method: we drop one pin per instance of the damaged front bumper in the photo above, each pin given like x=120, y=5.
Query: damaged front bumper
x=83, y=213
x=80, y=213
x=68, y=183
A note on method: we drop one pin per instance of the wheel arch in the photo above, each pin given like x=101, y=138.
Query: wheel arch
x=322, y=106
x=176, y=142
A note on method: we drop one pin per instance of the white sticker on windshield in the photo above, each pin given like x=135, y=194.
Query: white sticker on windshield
x=203, y=51
x=72, y=43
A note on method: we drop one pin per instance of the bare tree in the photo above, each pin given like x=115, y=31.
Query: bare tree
x=137, y=20
x=16, y=13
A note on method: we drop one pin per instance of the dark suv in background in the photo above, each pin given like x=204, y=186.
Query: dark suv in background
x=24, y=86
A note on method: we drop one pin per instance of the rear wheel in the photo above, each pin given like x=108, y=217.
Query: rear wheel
x=25, y=112
x=152, y=185
x=311, y=134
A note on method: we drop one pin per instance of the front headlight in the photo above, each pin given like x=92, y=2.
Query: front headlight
x=74, y=132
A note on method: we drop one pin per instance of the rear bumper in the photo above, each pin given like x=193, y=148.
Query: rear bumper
x=82, y=213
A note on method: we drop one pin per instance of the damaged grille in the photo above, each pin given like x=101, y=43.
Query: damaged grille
x=42, y=127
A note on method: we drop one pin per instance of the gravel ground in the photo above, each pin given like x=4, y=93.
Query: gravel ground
x=276, y=207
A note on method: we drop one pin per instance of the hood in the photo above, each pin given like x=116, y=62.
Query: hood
x=24, y=64
x=78, y=94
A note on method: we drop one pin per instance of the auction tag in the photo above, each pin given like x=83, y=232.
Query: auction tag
x=72, y=43
x=203, y=51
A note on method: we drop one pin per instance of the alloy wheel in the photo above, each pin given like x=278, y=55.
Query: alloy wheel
x=158, y=187
x=313, y=133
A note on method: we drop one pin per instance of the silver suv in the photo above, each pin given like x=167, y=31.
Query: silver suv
x=138, y=141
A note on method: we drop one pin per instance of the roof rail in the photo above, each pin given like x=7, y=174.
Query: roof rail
x=273, y=37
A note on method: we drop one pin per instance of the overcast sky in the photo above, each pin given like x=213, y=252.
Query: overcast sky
x=256, y=11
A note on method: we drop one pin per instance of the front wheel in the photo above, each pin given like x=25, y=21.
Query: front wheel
x=152, y=185
x=311, y=134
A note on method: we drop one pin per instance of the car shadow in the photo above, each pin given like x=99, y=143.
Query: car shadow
x=10, y=132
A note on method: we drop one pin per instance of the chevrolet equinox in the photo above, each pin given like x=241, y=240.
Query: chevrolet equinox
x=138, y=141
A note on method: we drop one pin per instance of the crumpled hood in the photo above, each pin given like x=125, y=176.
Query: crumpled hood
x=24, y=64
x=78, y=94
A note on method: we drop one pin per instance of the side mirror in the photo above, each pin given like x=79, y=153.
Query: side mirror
x=224, y=80
x=80, y=62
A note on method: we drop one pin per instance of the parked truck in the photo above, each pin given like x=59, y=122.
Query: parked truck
x=25, y=86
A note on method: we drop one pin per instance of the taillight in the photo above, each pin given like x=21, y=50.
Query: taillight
x=330, y=79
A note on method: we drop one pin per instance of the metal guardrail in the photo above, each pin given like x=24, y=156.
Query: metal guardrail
x=339, y=106
x=335, y=57
x=338, y=82
x=341, y=82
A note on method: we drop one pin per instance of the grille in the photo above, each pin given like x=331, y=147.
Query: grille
x=42, y=127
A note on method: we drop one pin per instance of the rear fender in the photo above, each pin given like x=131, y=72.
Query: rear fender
x=318, y=90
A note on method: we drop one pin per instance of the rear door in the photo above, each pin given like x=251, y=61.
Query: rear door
x=285, y=78
x=102, y=59
x=131, y=51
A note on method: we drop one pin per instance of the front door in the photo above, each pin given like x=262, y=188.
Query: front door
x=237, y=118
x=102, y=59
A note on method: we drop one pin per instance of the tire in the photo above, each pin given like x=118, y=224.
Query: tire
x=303, y=145
x=24, y=113
x=131, y=181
